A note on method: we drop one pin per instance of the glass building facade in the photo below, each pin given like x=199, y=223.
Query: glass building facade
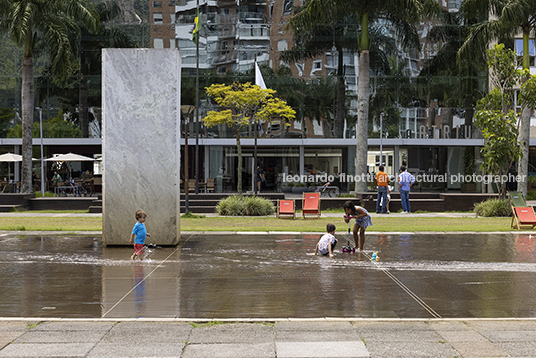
x=423, y=110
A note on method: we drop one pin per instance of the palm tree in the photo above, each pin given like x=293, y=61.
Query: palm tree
x=508, y=18
x=319, y=40
x=341, y=38
x=451, y=33
x=90, y=55
x=46, y=25
x=401, y=16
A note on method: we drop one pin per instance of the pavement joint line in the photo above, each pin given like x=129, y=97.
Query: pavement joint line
x=405, y=288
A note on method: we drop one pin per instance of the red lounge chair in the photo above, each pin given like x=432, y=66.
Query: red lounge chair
x=311, y=204
x=523, y=216
x=286, y=207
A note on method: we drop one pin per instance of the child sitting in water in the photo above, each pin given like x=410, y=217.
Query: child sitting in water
x=327, y=242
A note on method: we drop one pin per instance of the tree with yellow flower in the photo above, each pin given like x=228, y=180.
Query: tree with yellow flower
x=242, y=105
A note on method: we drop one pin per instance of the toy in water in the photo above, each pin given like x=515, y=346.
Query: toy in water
x=348, y=248
x=375, y=256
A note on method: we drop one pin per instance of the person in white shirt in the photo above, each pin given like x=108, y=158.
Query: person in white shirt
x=327, y=242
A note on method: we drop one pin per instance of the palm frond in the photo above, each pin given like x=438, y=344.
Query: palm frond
x=479, y=37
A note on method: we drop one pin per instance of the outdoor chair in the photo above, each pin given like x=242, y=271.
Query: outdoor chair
x=211, y=185
x=517, y=199
x=523, y=216
x=191, y=186
x=8, y=188
x=286, y=207
x=311, y=204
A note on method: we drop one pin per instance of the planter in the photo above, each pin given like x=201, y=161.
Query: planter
x=468, y=187
x=287, y=189
x=299, y=189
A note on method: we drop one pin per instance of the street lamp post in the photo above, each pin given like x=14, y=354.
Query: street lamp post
x=187, y=114
x=381, y=136
x=42, y=154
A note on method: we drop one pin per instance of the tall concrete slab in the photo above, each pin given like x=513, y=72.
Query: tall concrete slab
x=141, y=143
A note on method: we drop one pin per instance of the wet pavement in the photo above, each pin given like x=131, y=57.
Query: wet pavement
x=268, y=277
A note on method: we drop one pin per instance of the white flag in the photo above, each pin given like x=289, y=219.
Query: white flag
x=259, y=81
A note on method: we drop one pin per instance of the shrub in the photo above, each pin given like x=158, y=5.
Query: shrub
x=531, y=195
x=238, y=205
x=493, y=207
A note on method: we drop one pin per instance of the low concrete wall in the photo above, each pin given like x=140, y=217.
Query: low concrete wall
x=61, y=203
x=433, y=202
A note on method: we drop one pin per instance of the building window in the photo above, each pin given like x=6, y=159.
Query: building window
x=282, y=45
x=299, y=66
x=317, y=66
x=157, y=18
x=158, y=43
x=519, y=47
x=157, y=3
x=287, y=7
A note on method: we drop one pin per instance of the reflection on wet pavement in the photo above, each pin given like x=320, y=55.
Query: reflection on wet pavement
x=270, y=276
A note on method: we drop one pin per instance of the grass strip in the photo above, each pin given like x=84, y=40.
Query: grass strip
x=36, y=223
x=381, y=224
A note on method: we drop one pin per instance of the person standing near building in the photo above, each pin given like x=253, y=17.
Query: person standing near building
x=405, y=181
x=261, y=178
x=383, y=181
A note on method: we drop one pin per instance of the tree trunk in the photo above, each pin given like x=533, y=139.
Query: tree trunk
x=83, y=115
x=27, y=100
x=524, y=125
x=469, y=109
x=524, y=138
x=363, y=96
x=239, y=168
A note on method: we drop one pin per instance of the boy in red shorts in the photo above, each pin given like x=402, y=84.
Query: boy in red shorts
x=139, y=232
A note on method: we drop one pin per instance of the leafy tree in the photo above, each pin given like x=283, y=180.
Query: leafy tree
x=81, y=92
x=509, y=18
x=6, y=116
x=241, y=105
x=495, y=116
x=45, y=25
x=56, y=127
x=341, y=36
x=402, y=17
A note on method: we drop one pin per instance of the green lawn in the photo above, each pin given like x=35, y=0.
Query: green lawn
x=383, y=224
x=38, y=223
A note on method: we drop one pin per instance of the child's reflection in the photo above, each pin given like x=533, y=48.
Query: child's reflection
x=139, y=291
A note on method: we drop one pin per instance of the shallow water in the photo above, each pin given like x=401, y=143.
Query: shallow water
x=270, y=276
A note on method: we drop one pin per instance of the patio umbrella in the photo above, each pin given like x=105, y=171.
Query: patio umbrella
x=69, y=157
x=11, y=158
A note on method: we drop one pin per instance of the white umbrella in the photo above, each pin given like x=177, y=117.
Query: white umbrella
x=69, y=157
x=11, y=158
